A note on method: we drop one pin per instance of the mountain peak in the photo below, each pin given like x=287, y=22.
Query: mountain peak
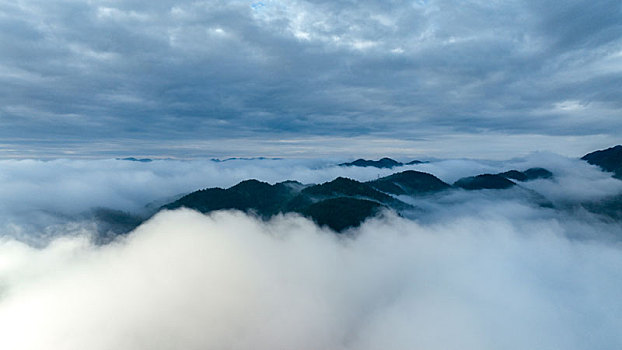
x=484, y=181
x=249, y=185
x=527, y=175
x=409, y=182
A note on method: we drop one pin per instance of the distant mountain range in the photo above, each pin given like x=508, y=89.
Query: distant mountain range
x=242, y=158
x=381, y=163
x=344, y=203
x=338, y=204
x=341, y=203
x=132, y=159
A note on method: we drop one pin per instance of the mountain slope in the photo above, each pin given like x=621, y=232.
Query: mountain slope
x=346, y=187
x=484, y=181
x=609, y=159
x=342, y=212
x=527, y=175
x=249, y=195
x=409, y=182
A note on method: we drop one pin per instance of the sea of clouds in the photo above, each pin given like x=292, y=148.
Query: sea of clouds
x=467, y=270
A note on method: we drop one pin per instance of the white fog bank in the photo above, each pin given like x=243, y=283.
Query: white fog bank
x=185, y=280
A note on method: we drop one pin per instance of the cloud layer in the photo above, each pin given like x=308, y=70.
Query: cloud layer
x=468, y=270
x=107, y=76
x=185, y=280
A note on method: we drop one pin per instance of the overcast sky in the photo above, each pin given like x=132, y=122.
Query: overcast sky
x=163, y=78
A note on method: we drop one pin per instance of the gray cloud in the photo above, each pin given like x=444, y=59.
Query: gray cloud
x=183, y=72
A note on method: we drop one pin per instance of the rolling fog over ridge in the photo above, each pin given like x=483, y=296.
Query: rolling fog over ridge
x=39, y=195
x=481, y=269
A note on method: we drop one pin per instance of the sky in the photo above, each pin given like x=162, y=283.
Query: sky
x=185, y=79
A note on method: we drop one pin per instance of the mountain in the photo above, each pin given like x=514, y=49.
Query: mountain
x=537, y=173
x=409, y=182
x=514, y=175
x=609, y=160
x=502, y=180
x=382, y=163
x=132, y=159
x=249, y=195
x=342, y=212
x=342, y=186
x=339, y=204
x=217, y=160
x=110, y=223
x=527, y=175
x=484, y=181
x=608, y=207
x=416, y=162
x=344, y=203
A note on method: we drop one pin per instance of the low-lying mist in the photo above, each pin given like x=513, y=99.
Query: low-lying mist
x=44, y=199
x=523, y=268
x=190, y=281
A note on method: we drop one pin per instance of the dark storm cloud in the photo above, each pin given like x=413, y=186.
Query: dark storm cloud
x=172, y=70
